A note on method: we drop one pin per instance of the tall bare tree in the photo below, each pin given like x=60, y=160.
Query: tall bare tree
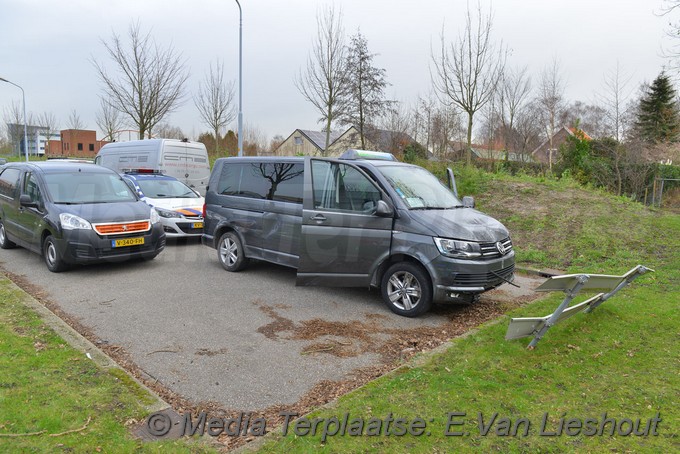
x=108, y=119
x=614, y=99
x=515, y=90
x=48, y=122
x=147, y=83
x=14, y=119
x=323, y=82
x=551, y=98
x=672, y=31
x=467, y=71
x=364, y=101
x=215, y=101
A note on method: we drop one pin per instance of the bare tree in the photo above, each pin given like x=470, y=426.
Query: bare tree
x=551, y=98
x=166, y=131
x=527, y=130
x=614, y=99
x=323, y=82
x=148, y=82
x=466, y=72
x=108, y=119
x=672, y=31
x=48, y=122
x=14, y=119
x=74, y=121
x=515, y=90
x=364, y=101
x=254, y=140
x=215, y=101
x=591, y=119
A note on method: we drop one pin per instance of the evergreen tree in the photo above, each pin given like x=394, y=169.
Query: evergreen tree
x=658, y=119
x=365, y=97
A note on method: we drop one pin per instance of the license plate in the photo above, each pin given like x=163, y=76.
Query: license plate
x=197, y=225
x=127, y=242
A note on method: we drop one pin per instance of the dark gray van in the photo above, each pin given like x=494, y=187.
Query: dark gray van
x=356, y=222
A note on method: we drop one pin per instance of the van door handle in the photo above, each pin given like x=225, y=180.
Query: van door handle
x=319, y=218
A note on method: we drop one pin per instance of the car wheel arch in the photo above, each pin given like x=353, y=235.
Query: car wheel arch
x=382, y=268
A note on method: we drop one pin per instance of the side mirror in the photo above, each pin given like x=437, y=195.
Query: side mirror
x=25, y=201
x=383, y=210
x=468, y=201
x=452, y=181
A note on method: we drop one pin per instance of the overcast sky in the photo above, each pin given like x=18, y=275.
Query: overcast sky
x=47, y=47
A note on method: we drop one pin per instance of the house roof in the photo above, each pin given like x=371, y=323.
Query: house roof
x=318, y=138
x=570, y=131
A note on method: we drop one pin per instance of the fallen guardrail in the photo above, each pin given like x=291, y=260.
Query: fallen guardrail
x=571, y=285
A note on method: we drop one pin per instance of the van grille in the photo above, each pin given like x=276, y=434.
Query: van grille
x=122, y=228
x=490, y=250
x=487, y=280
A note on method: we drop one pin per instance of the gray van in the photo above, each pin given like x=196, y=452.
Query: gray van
x=356, y=222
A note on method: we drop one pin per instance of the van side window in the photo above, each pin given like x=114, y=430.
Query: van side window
x=342, y=187
x=244, y=180
x=279, y=181
x=9, y=179
x=285, y=181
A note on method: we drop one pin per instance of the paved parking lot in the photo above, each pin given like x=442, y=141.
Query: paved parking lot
x=245, y=340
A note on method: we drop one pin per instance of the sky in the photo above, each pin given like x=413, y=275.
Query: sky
x=48, y=48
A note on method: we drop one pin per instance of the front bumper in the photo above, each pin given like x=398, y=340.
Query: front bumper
x=455, y=280
x=86, y=246
x=182, y=227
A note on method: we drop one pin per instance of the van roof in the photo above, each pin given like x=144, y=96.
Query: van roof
x=300, y=159
x=60, y=166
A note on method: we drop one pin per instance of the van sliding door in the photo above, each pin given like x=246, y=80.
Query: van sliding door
x=343, y=240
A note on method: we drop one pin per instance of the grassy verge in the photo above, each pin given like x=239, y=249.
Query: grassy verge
x=621, y=360
x=53, y=398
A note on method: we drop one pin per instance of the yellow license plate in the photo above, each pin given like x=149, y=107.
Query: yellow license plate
x=197, y=225
x=127, y=242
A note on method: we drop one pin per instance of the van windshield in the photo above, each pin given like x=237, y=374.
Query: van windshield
x=75, y=188
x=419, y=189
x=164, y=189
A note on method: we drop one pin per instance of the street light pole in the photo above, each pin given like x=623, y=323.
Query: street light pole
x=240, y=79
x=23, y=97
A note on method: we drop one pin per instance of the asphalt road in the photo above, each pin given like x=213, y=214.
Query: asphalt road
x=237, y=339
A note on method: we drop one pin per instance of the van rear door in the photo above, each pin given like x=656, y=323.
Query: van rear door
x=343, y=240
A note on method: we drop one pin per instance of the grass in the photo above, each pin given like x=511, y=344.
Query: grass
x=622, y=359
x=47, y=388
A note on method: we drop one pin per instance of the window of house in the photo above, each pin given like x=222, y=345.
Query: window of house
x=80, y=147
x=298, y=140
x=91, y=147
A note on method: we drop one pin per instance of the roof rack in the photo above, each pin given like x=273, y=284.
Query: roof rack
x=352, y=154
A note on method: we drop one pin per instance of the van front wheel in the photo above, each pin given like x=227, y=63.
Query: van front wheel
x=230, y=252
x=406, y=289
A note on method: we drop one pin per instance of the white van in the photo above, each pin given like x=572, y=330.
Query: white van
x=187, y=161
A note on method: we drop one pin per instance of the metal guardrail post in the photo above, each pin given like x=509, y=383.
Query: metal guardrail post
x=571, y=294
x=571, y=284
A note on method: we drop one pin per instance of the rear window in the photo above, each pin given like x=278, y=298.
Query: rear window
x=281, y=181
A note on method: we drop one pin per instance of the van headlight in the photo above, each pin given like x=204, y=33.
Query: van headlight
x=154, y=218
x=73, y=222
x=458, y=249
